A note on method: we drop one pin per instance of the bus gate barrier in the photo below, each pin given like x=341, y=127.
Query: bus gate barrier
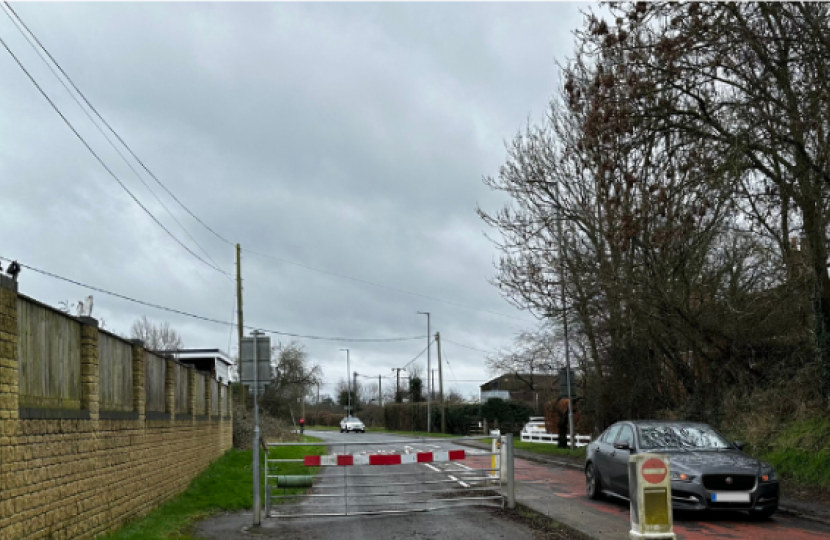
x=394, y=480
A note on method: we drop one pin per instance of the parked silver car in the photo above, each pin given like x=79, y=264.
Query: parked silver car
x=351, y=423
x=707, y=471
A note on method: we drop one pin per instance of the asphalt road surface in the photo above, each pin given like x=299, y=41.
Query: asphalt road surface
x=558, y=492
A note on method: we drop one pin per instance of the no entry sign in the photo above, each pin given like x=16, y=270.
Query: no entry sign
x=654, y=471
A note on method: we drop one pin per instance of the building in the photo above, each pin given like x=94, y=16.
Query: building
x=533, y=388
x=212, y=361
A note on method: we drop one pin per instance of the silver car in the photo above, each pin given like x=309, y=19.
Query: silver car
x=351, y=423
x=707, y=471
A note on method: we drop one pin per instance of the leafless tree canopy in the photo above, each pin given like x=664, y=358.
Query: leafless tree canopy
x=685, y=161
x=156, y=336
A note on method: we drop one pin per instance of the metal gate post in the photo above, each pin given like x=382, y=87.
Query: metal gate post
x=508, y=464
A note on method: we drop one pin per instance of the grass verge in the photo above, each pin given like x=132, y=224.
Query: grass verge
x=549, y=449
x=801, y=452
x=225, y=486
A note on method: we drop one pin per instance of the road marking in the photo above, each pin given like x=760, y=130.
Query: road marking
x=436, y=469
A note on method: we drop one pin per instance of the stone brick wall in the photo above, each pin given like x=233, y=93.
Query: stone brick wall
x=79, y=478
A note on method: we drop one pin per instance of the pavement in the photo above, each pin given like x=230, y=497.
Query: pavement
x=549, y=485
x=538, y=477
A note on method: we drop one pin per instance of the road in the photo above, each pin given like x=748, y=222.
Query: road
x=456, y=522
x=558, y=492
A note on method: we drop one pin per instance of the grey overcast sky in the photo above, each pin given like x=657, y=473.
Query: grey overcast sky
x=347, y=137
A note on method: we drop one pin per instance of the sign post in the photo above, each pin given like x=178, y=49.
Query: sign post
x=649, y=488
x=256, y=355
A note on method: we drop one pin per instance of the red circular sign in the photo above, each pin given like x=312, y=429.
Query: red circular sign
x=654, y=471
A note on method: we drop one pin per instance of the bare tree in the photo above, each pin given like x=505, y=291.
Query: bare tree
x=295, y=379
x=156, y=336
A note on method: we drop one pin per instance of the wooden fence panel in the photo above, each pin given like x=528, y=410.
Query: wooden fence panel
x=115, y=371
x=214, y=397
x=182, y=389
x=49, y=350
x=154, y=379
x=199, y=388
x=223, y=392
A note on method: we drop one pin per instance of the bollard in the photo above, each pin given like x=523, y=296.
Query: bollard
x=649, y=489
x=495, y=460
x=508, y=462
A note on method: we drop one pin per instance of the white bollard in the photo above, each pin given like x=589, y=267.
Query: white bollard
x=649, y=489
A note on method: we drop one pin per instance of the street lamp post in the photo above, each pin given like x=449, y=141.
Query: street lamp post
x=348, y=384
x=429, y=387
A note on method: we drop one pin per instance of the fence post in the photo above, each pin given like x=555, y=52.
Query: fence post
x=170, y=388
x=508, y=463
x=139, y=388
x=90, y=398
x=9, y=363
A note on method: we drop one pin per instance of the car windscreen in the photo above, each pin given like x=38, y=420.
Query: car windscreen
x=675, y=437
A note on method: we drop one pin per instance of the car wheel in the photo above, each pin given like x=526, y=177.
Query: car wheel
x=764, y=514
x=592, y=482
x=341, y=430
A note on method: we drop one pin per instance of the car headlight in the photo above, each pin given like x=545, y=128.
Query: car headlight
x=768, y=475
x=681, y=477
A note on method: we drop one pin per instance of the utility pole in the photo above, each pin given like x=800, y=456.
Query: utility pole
x=398, y=384
x=318, y=396
x=441, y=384
x=429, y=389
x=239, y=318
x=380, y=394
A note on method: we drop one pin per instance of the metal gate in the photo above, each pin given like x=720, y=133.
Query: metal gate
x=402, y=476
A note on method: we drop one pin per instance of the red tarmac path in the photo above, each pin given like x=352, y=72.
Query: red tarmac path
x=560, y=493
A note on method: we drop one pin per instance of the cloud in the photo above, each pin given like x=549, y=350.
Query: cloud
x=347, y=137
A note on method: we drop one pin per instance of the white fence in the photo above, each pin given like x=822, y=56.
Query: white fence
x=581, y=440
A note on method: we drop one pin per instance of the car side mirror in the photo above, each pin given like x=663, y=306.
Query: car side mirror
x=739, y=445
x=622, y=446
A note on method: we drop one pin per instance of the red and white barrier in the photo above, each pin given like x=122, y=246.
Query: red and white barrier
x=383, y=459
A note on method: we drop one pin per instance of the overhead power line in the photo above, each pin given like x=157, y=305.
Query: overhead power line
x=110, y=128
x=101, y=161
x=469, y=347
x=215, y=321
x=20, y=23
x=419, y=354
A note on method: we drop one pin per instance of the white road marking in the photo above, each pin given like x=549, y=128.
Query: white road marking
x=464, y=466
x=436, y=469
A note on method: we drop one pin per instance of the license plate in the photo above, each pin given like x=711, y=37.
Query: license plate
x=730, y=497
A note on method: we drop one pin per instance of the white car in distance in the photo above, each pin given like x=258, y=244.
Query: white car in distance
x=351, y=423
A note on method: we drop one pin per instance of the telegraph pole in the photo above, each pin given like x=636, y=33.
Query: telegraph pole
x=239, y=318
x=429, y=389
x=354, y=389
x=380, y=394
x=398, y=384
x=441, y=384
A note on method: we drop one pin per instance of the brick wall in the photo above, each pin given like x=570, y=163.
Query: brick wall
x=79, y=478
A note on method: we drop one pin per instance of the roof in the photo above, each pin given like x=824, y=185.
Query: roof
x=189, y=354
x=517, y=376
